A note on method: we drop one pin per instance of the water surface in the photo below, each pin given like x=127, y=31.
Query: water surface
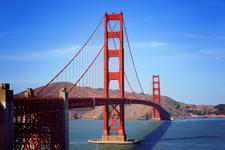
x=190, y=134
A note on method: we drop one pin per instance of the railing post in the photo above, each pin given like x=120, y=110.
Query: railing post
x=63, y=94
x=6, y=118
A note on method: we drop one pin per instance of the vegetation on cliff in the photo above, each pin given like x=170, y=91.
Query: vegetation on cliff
x=220, y=109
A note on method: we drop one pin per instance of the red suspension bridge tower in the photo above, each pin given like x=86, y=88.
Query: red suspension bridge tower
x=156, y=96
x=113, y=114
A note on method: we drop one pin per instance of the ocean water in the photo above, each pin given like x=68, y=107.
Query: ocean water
x=185, y=134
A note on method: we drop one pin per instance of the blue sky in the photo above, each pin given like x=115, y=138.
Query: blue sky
x=183, y=41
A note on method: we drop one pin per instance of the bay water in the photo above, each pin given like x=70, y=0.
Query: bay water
x=183, y=134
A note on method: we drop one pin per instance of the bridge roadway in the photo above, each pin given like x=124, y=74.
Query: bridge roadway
x=101, y=101
x=54, y=102
x=84, y=102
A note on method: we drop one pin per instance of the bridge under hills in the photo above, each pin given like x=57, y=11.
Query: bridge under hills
x=38, y=119
x=132, y=112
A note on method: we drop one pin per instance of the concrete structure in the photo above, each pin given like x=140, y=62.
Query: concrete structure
x=29, y=93
x=63, y=94
x=6, y=117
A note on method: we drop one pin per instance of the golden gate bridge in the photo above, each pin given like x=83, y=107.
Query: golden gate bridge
x=37, y=119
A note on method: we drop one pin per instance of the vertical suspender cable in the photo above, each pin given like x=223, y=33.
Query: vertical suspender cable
x=129, y=48
x=72, y=58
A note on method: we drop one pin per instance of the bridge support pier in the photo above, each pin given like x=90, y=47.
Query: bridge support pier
x=29, y=93
x=40, y=122
x=63, y=94
x=6, y=117
x=156, y=115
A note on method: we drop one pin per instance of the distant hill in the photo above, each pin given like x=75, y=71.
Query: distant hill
x=133, y=111
x=220, y=109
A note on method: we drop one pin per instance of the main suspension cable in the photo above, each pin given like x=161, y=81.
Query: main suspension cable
x=85, y=70
x=89, y=65
x=129, y=48
x=89, y=38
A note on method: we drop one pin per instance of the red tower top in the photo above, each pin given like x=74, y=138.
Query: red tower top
x=156, y=89
x=108, y=53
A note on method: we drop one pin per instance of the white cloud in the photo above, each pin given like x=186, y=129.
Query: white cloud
x=37, y=55
x=43, y=55
x=9, y=33
x=205, y=37
x=198, y=36
x=201, y=54
x=213, y=53
x=151, y=44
